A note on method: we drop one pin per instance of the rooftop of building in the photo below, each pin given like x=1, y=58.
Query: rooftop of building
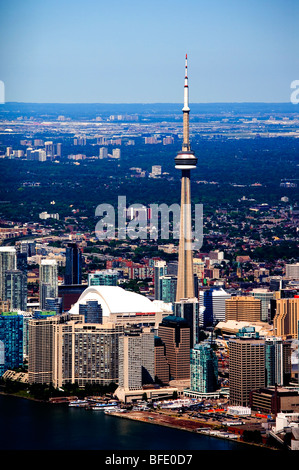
x=233, y=326
x=245, y=298
x=48, y=261
x=280, y=390
x=174, y=320
x=6, y=249
x=115, y=299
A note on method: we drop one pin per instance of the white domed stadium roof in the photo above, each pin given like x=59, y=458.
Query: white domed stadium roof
x=115, y=299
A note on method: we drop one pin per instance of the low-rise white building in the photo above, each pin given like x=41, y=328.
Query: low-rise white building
x=286, y=420
x=239, y=410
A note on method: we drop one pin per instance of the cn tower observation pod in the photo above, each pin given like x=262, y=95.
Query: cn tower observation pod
x=185, y=160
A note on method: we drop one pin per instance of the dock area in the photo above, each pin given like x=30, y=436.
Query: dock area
x=210, y=427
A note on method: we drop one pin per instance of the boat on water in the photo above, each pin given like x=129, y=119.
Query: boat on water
x=111, y=409
x=103, y=406
x=78, y=403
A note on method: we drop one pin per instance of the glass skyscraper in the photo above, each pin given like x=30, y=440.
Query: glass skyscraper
x=265, y=297
x=92, y=311
x=274, y=361
x=11, y=341
x=48, y=281
x=160, y=269
x=107, y=277
x=168, y=288
x=8, y=260
x=214, y=302
x=189, y=310
x=73, y=266
x=16, y=289
x=203, y=369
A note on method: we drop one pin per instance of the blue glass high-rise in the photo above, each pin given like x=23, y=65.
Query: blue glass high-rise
x=11, y=341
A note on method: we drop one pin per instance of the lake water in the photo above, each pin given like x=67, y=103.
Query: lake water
x=29, y=425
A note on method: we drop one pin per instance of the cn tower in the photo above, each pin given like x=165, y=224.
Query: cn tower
x=185, y=161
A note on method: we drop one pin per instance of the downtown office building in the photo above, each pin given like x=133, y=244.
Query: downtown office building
x=64, y=349
x=246, y=366
x=11, y=341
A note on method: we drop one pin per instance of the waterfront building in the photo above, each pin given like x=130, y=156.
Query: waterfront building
x=130, y=372
x=140, y=349
x=274, y=400
x=136, y=358
x=243, y=308
x=185, y=161
x=64, y=349
x=8, y=261
x=148, y=356
x=16, y=289
x=175, y=333
x=203, y=369
x=73, y=265
x=246, y=365
x=41, y=347
x=11, y=341
x=95, y=359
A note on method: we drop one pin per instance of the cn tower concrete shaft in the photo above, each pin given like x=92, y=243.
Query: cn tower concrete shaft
x=185, y=280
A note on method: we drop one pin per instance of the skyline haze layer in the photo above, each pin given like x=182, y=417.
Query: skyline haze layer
x=132, y=52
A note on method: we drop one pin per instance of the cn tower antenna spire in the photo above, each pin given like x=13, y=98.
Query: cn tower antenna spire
x=186, y=89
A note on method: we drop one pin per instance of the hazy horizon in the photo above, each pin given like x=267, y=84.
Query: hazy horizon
x=162, y=103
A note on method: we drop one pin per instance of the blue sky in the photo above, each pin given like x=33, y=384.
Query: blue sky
x=133, y=51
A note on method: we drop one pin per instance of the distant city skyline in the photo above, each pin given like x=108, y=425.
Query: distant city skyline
x=133, y=51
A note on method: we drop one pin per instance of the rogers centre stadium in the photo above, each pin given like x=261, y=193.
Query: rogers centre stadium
x=122, y=306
